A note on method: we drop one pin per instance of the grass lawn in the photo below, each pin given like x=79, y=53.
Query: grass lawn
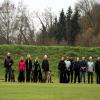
x=17, y=91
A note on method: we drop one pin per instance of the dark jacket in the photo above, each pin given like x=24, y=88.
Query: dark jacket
x=83, y=65
x=37, y=66
x=97, y=66
x=77, y=66
x=8, y=62
x=62, y=66
x=72, y=65
x=28, y=65
x=45, y=65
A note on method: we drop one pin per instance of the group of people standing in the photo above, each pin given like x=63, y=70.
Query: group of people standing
x=71, y=70
x=27, y=70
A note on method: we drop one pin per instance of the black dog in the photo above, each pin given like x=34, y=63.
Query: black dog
x=12, y=76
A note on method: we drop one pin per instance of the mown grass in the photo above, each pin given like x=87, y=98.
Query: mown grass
x=54, y=53
x=11, y=91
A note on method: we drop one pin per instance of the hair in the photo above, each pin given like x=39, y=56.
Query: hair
x=45, y=56
x=21, y=57
x=28, y=56
x=36, y=59
x=8, y=54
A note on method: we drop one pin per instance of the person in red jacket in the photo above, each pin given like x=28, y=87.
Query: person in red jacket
x=21, y=70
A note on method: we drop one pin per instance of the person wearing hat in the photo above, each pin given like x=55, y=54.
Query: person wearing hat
x=45, y=67
x=8, y=62
x=28, y=67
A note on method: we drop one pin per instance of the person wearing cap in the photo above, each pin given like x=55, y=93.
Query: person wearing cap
x=97, y=70
x=45, y=67
x=77, y=66
x=68, y=64
x=8, y=62
x=37, y=71
x=90, y=69
x=21, y=70
x=83, y=69
x=62, y=70
x=28, y=67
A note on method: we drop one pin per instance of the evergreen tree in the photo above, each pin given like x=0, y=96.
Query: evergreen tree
x=75, y=26
x=68, y=26
x=61, y=27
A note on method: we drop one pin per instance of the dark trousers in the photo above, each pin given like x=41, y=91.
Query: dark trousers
x=71, y=74
x=82, y=76
x=90, y=77
x=7, y=74
x=98, y=78
x=62, y=77
x=28, y=76
x=21, y=77
x=38, y=76
x=68, y=76
x=77, y=75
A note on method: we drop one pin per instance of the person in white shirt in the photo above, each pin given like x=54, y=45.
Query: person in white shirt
x=68, y=64
x=90, y=69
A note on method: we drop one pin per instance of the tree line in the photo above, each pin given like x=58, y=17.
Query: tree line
x=78, y=26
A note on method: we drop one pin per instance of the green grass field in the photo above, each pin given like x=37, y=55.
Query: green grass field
x=54, y=53
x=15, y=91
x=55, y=91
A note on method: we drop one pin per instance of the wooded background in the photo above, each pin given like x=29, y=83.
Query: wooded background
x=78, y=26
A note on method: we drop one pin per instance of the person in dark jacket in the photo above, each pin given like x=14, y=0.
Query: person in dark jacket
x=71, y=68
x=8, y=62
x=77, y=66
x=45, y=67
x=62, y=70
x=37, y=71
x=97, y=70
x=83, y=69
x=28, y=68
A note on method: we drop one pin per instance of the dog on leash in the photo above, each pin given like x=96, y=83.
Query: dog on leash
x=49, y=77
x=12, y=76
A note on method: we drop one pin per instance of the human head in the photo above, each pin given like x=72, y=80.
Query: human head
x=98, y=58
x=83, y=58
x=77, y=58
x=21, y=58
x=28, y=56
x=8, y=54
x=67, y=58
x=62, y=58
x=45, y=57
x=36, y=59
x=90, y=58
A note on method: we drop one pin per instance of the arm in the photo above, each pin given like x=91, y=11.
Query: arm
x=96, y=67
x=19, y=67
x=5, y=63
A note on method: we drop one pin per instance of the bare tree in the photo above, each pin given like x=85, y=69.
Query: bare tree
x=7, y=17
x=46, y=19
x=86, y=7
x=24, y=27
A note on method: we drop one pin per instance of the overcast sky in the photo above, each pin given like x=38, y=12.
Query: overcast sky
x=55, y=5
x=40, y=5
